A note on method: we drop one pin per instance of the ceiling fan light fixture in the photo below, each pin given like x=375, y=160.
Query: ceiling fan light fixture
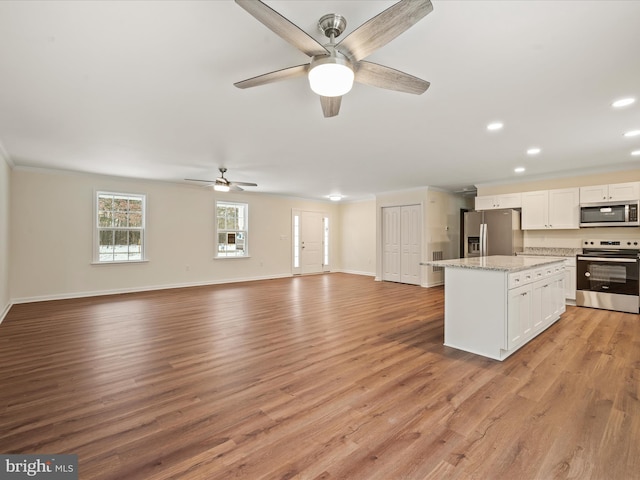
x=331, y=76
x=221, y=188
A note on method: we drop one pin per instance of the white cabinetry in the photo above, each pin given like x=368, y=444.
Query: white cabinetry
x=494, y=313
x=507, y=200
x=536, y=304
x=519, y=318
x=551, y=209
x=610, y=193
x=569, y=275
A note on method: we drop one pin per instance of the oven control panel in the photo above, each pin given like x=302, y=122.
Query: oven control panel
x=618, y=243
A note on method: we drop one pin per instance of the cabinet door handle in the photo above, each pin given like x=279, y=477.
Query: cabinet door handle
x=524, y=293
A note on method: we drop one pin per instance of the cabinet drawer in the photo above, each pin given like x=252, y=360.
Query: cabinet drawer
x=518, y=279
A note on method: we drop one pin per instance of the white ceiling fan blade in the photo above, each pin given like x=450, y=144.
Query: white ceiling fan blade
x=383, y=28
x=276, y=76
x=380, y=76
x=283, y=27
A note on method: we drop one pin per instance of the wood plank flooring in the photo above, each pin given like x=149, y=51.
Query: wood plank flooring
x=322, y=377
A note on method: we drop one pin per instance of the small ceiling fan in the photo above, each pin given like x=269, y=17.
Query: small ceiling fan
x=222, y=184
x=335, y=66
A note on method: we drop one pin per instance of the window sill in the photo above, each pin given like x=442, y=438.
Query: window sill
x=121, y=262
x=231, y=258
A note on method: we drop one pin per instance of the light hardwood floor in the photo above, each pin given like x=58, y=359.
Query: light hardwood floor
x=322, y=377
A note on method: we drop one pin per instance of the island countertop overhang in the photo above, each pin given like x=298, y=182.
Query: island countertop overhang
x=503, y=263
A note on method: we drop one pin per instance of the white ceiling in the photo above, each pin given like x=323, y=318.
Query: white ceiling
x=145, y=89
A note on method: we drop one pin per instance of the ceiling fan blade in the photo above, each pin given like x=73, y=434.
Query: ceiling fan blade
x=198, y=180
x=235, y=188
x=380, y=76
x=383, y=28
x=330, y=106
x=276, y=76
x=283, y=27
x=244, y=184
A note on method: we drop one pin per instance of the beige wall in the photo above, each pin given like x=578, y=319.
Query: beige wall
x=443, y=229
x=358, y=237
x=5, y=257
x=52, y=235
x=562, y=182
x=568, y=238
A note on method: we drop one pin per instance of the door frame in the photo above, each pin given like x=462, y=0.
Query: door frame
x=296, y=268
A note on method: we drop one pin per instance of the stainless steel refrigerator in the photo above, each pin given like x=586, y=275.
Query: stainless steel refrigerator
x=492, y=232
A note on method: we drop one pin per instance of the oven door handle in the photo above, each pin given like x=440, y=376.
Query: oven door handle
x=612, y=260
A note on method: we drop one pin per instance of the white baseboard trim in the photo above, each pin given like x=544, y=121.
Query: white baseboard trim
x=357, y=272
x=5, y=311
x=97, y=293
x=434, y=284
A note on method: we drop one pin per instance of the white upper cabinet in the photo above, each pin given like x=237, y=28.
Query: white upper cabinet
x=610, y=193
x=551, y=209
x=535, y=210
x=507, y=200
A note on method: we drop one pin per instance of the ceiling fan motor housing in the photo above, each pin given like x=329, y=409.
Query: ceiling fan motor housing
x=332, y=25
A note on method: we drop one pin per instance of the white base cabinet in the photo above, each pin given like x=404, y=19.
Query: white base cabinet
x=494, y=313
x=569, y=275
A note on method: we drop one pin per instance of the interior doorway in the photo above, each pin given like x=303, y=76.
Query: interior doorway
x=462, y=212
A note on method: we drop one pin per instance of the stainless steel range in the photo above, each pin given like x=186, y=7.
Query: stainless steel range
x=607, y=275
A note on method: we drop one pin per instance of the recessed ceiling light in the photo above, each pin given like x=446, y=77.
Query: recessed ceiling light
x=623, y=102
x=495, y=126
x=519, y=169
x=632, y=133
x=533, y=151
x=635, y=153
x=335, y=198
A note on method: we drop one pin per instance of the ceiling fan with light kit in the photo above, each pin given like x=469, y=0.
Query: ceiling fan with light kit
x=222, y=184
x=335, y=66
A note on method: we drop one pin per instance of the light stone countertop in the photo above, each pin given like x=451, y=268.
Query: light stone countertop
x=503, y=263
x=551, y=251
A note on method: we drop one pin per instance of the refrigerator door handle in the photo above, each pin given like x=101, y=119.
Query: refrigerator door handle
x=483, y=239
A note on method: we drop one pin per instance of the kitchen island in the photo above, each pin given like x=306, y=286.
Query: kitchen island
x=494, y=305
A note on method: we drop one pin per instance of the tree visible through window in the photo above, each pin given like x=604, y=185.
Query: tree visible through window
x=232, y=225
x=120, y=227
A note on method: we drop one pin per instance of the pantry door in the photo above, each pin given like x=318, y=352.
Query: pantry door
x=401, y=243
x=391, y=244
x=410, y=243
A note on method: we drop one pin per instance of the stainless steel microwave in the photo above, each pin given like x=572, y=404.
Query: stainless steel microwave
x=609, y=214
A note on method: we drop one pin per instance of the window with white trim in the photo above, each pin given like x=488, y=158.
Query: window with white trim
x=232, y=224
x=120, y=223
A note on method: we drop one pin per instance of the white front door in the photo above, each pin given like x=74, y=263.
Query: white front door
x=311, y=236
